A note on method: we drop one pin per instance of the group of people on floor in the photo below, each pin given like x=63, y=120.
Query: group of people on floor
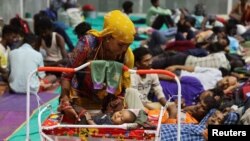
x=198, y=48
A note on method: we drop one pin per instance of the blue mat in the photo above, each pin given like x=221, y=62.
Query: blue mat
x=97, y=24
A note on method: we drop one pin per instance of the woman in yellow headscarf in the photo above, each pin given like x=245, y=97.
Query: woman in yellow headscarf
x=112, y=43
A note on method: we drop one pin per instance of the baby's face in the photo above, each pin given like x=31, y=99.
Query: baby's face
x=121, y=117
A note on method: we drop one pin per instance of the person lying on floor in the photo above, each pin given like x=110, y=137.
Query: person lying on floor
x=195, y=113
x=190, y=114
x=190, y=132
x=209, y=77
x=216, y=57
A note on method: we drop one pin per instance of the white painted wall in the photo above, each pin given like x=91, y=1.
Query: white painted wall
x=9, y=8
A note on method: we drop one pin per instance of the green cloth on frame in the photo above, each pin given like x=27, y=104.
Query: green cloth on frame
x=110, y=70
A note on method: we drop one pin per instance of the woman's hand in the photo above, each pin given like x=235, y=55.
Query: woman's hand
x=88, y=116
x=68, y=110
x=71, y=113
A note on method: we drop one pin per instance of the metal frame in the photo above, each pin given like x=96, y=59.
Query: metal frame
x=72, y=70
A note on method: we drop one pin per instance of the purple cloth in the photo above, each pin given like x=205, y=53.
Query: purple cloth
x=191, y=88
x=13, y=111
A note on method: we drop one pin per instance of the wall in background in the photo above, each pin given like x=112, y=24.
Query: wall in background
x=9, y=8
x=212, y=6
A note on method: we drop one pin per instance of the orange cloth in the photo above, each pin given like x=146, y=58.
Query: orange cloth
x=187, y=119
x=154, y=115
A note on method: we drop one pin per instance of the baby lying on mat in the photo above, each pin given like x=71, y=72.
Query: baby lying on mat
x=117, y=118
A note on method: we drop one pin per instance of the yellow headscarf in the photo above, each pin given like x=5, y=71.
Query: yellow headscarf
x=118, y=25
x=122, y=29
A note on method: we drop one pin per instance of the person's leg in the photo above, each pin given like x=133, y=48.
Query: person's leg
x=154, y=44
x=169, y=32
x=180, y=46
x=163, y=19
x=190, y=35
x=139, y=21
x=158, y=22
x=179, y=36
x=198, y=52
x=157, y=38
x=132, y=99
x=48, y=82
x=168, y=21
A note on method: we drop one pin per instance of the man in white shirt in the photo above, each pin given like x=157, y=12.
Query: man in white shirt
x=19, y=70
x=142, y=85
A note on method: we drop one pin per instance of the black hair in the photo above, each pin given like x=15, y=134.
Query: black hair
x=218, y=92
x=231, y=27
x=30, y=38
x=154, y=1
x=68, y=5
x=21, y=25
x=217, y=47
x=224, y=71
x=43, y=24
x=211, y=102
x=218, y=29
x=82, y=28
x=106, y=100
x=127, y=5
x=37, y=17
x=227, y=39
x=140, y=52
x=9, y=29
x=226, y=103
x=199, y=9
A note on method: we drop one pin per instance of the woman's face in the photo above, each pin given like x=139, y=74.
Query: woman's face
x=116, y=47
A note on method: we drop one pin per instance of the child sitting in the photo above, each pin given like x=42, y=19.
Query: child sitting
x=117, y=118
